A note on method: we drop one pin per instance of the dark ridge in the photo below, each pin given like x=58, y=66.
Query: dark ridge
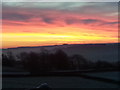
x=101, y=44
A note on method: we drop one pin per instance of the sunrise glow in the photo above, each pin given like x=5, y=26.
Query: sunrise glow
x=39, y=24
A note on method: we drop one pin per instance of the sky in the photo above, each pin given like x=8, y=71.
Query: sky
x=60, y=0
x=54, y=23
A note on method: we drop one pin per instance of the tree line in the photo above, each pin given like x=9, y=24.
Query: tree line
x=45, y=61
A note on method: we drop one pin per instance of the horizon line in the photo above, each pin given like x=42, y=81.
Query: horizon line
x=57, y=45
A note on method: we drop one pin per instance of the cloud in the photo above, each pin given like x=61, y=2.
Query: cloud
x=45, y=5
x=12, y=23
x=48, y=20
x=89, y=21
x=112, y=23
x=15, y=16
x=82, y=20
x=54, y=18
x=86, y=15
x=70, y=6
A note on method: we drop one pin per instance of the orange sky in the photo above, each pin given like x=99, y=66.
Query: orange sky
x=26, y=24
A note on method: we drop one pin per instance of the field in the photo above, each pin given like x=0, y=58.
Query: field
x=59, y=81
x=108, y=75
x=55, y=82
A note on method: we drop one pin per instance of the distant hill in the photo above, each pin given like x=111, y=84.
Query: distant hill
x=94, y=52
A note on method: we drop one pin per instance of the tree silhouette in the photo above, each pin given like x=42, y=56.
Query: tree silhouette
x=79, y=61
x=23, y=57
x=103, y=64
x=44, y=60
x=61, y=61
x=5, y=61
x=8, y=59
x=32, y=62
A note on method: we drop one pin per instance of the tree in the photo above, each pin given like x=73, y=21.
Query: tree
x=103, y=64
x=5, y=61
x=32, y=62
x=8, y=59
x=23, y=57
x=44, y=60
x=35, y=62
x=79, y=61
x=61, y=61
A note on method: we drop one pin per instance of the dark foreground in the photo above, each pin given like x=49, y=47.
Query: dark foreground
x=80, y=80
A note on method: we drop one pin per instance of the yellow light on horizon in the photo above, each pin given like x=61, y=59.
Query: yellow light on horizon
x=35, y=39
